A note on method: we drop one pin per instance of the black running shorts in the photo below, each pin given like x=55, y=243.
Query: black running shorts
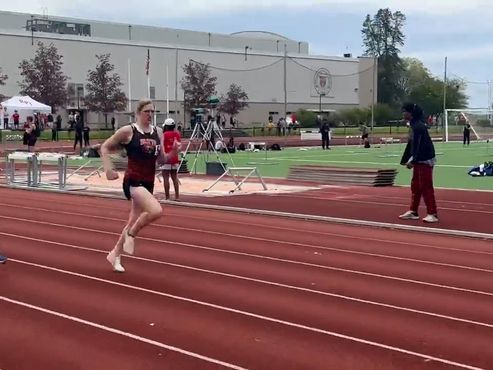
x=127, y=183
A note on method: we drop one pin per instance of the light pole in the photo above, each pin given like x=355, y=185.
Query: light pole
x=373, y=93
x=78, y=99
x=489, y=94
x=32, y=29
x=445, y=86
x=246, y=48
x=320, y=103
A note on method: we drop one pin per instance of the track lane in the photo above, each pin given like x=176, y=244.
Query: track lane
x=36, y=340
x=461, y=278
x=210, y=220
x=202, y=329
x=156, y=248
x=375, y=323
x=327, y=278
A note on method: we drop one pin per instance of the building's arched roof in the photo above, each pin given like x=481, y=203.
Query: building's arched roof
x=260, y=35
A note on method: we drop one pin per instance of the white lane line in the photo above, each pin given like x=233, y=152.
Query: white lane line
x=339, y=235
x=378, y=204
x=122, y=333
x=265, y=282
x=314, y=246
x=363, y=195
x=330, y=268
x=344, y=195
x=257, y=316
x=339, y=195
x=344, y=221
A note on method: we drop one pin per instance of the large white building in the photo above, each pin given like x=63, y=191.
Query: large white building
x=278, y=74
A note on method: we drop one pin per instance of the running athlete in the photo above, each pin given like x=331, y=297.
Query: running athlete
x=142, y=142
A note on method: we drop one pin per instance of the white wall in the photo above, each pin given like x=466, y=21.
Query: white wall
x=264, y=85
x=163, y=35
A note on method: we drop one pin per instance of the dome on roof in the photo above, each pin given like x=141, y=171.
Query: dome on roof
x=260, y=35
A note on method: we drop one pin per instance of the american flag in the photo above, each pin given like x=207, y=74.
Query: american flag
x=148, y=62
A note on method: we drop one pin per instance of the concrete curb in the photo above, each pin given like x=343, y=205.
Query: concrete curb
x=344, y=221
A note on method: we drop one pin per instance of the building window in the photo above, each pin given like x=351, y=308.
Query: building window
x=273, y=113
x=152, y=92
x=53, y=26
x=75, y=95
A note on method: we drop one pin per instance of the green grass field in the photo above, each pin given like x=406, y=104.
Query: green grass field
x=453, y=161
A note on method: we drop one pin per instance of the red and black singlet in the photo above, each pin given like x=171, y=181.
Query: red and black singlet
x=142, y=152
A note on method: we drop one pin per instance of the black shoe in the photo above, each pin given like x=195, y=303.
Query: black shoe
x=3, y=259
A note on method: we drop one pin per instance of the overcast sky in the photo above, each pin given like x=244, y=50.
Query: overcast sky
x=458, y=29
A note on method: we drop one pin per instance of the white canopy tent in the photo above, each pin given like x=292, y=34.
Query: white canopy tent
x=25, y=106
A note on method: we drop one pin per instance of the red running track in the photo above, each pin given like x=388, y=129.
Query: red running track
x=457, y=209
x=212, y=290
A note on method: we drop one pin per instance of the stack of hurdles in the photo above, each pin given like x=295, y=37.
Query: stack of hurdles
x=343, y=175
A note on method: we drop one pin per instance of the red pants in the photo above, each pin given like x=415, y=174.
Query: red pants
x=422, y=185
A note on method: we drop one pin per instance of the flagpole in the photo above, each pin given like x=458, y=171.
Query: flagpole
x=148, y=86
x=167, y=92
x=148, y=72
x=129, y=87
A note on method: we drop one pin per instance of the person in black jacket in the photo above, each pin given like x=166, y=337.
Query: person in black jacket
x=325, y=131
x=85, y=132
x=79, y=128
x=420, y=156
x=467, y=129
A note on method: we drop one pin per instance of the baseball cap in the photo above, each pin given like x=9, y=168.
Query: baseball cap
x=169, y=122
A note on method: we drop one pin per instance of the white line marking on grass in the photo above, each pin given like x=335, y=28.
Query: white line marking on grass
x=120, y=332
x=297, y=159
x=228, y=309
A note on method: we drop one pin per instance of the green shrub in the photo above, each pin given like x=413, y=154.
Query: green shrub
x=307, y=119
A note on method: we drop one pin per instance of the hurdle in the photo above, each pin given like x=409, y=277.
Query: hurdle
x=350, y=137
x=234, y=172
x=34, y=172
x=29, y=178
x=52, y=158
x=386, y=142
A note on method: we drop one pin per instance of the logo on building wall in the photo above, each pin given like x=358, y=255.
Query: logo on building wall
x=322, y=81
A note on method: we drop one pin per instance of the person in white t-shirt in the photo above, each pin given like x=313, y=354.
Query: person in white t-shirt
x=219, y=145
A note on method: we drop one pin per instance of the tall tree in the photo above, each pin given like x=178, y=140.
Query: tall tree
x=104, y=94
x=43, y=78
x=382, y=37
x=198, y=84
x=426, y=90
x=235, y=100
x=3, y=78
